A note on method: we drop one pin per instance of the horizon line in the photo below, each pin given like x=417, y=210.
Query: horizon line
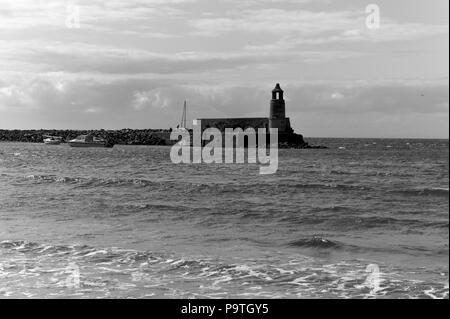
x=167, y=129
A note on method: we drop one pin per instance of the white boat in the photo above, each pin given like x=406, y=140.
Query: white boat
x=183, y=125
x=52, y=140
x=89, y=141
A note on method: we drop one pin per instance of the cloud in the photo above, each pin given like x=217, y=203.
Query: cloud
x=80, y=57
x=26, y=14
x=315, y=109
x=134, y=62
x=297, y=27
x=385, y=97
x=275, y=21
x=337, y=96
x=153, y=99
x=95, y=110
x=54, y=93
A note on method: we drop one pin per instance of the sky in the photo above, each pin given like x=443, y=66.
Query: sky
x=91, y=64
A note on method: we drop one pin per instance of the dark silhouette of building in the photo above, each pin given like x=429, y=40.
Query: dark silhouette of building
x=277, y=119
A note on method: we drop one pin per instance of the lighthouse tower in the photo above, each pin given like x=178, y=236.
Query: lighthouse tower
x=277, y=118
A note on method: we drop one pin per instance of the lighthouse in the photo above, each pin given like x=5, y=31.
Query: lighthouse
x=277, y=118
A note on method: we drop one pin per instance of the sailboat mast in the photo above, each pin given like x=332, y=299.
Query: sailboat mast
x=185, y=114
x=183, y=122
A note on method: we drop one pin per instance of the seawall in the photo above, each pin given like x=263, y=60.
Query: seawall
x=127, y=137
x=120, y=137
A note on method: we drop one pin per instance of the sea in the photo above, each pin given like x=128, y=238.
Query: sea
x=365, y=218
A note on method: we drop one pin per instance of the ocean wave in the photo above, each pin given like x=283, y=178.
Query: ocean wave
x=332, y=209
x=217, y=187
x=94, y=182
x=342, y=218
x=426, y=191
x=385, y=222
x=209, y=185
x=326, y=186
x=316, y=242
x=115, y=272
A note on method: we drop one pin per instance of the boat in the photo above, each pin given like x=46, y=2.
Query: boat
x=52, y=140
x=184, y=116
x=183, y=125
x=89, y=141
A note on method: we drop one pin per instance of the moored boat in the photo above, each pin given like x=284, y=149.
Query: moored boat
x=52, y=140
x=183, y=125
x=89, y=141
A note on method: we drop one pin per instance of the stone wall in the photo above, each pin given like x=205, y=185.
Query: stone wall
x=222, y=124
x=286, y=139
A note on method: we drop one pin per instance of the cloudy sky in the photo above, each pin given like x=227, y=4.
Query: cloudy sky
x=132, y=63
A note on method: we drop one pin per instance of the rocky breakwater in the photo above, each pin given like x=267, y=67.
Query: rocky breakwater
x=293, y=140
x=120, y=137
x=130, y=137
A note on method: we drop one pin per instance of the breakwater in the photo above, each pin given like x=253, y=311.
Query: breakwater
x=127, y=137
x=120, y=137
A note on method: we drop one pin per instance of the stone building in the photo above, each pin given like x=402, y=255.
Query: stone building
x=277, y=119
